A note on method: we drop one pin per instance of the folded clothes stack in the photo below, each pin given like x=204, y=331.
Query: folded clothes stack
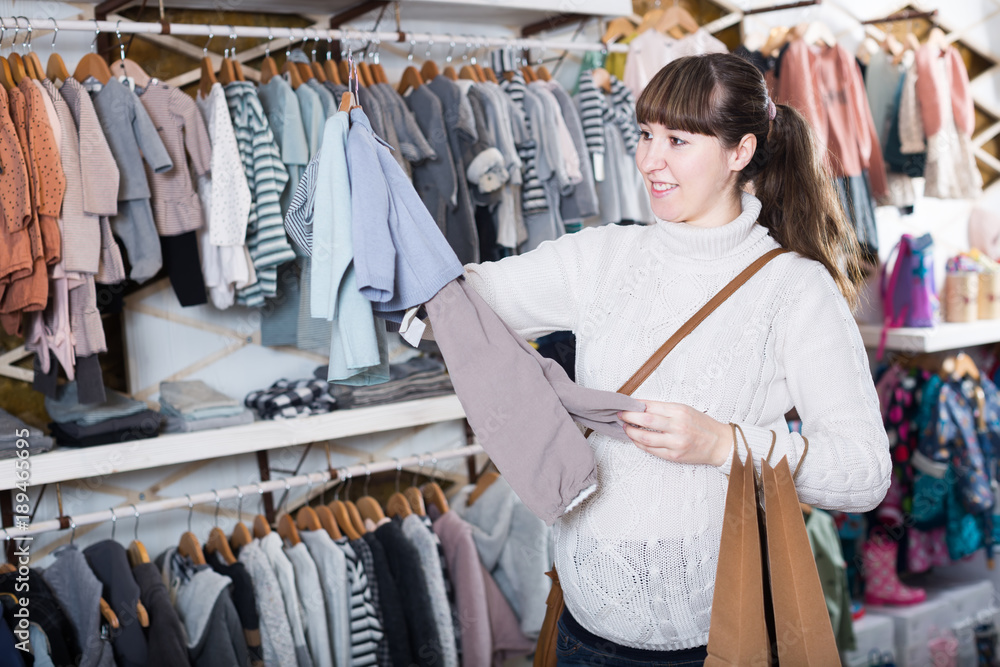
x=194, y=406
x=420, y=377
x=118, y=419
x=13, y=429
x=291, y=399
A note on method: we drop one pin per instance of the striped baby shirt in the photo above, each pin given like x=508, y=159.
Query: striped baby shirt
x=267, y=177
x=366, y=630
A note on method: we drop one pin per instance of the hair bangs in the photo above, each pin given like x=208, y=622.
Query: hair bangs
x=682, y=96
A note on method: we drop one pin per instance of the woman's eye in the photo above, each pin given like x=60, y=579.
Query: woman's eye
x=645, y=136
x=677, y=141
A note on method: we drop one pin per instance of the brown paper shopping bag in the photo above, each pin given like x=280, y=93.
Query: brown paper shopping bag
x=739, y=633
x=803, y=632
x=768, y=607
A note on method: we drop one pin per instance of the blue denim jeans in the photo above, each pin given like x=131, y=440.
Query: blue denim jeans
x=576, y=647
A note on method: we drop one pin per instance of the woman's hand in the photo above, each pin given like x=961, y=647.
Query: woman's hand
x=679, y=433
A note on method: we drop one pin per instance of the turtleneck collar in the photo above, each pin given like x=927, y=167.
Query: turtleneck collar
x=730, y=239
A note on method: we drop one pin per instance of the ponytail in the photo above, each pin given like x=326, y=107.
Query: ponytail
x=724, y=96
x=799, y=204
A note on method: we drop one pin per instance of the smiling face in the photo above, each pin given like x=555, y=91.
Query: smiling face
x=691, y=177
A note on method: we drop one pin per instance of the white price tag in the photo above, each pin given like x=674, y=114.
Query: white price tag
x=599, y=167
x=412, y=327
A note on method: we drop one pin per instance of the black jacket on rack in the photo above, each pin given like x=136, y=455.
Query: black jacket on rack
x=46, y=612
x=404, y=561
x=109, y=562
x=392, y=609
x=167, y=639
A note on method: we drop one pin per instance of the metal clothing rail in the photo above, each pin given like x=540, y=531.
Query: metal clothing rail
x=188, y=501
x=297, y=34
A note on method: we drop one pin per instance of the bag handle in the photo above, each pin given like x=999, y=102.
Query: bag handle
x=647, y=368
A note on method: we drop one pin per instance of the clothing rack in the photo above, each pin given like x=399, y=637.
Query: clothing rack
x=778, y=8
x=305, y=34
x=905, y=15
x=189, y=501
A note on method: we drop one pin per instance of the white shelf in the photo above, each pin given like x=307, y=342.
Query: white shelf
x=942, y=337
x=78, y=463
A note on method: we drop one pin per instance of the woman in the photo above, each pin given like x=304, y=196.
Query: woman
x=637, y=559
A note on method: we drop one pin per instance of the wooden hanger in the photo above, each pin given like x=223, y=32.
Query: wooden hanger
x=480, y=72
x=142, y=614
x=226, y=72
x=7, y=568
x=317, y=71
x=330, y=69
x=398, y=505
x=132, y=70
x=618, y=28
x=468, y=72
x=287, y=530
x=602, y=78
x=411, y=79
x=485, y=481
x=806, y=509
x=37, y=72
x=345, y=72
x=429, y=71
x=490, y=75
x=191, y=548
x=268, y=69
x=937, y=38
x=260, y=526
x=17, y=67
x=528, y=73
x=435, y=496
x=775, y=40
x=369, y=508
x=56, y=68
x=305, y=71
x=207, y=77
x=328, y=522
x=343, y=518
x=674, y=18
x=137, y=553
x=6, y=76
x=308, y=519
x=379, y=73
x=450, y=73
x=543, y=73
x=649, y=20
x=416, y=500
x=92, y=65
x=365, y=74
x=355, y=515
x=347, y=102
x=240, y=538
x=217, y=542
x=109, y=614
x=294, y=77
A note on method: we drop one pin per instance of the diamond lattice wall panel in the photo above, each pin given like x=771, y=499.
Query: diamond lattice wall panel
x=965, y=13
x=872, y=9
x=984, y=35
x=986, y=90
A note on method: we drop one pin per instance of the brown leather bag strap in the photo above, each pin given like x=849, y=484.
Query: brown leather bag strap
x=640, y=375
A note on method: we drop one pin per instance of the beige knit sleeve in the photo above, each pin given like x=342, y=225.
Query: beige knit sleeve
x=544, y=290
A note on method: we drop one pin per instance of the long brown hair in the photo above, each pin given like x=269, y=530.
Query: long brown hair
x=724, y=96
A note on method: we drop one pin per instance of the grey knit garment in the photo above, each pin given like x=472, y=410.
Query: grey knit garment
x=275, y=631
x=430, y=562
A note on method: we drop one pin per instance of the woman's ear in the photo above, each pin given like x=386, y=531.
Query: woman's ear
x=743, y=153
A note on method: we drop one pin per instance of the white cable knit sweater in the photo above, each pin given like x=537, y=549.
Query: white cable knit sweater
x=637, y=559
